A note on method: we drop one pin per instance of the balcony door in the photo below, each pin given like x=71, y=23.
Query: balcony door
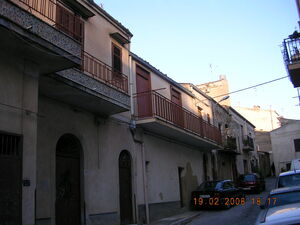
x=177, y=112
x=143, y=89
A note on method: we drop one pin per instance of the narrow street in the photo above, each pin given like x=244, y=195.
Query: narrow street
x=237, y=215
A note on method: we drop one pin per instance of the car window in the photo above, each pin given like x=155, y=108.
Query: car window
x=209, y=185
x=249, y=177
x=283, y=199
x=288, y=181
x=227, y=185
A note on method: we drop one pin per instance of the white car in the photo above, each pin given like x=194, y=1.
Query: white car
x=282, y=207
x=288, y=179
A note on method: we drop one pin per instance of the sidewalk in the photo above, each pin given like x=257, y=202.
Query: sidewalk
x=180, y=219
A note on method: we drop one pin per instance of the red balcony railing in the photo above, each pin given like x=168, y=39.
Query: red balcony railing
x=57, y=15
x=101, y=71
x=152, y=104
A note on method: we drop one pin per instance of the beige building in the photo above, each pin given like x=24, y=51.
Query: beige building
x=265, y=120
x=237, y=155
x=239, y=128
x=66, y=154
x=92, y=134
x=176, y=138
x=217, y=90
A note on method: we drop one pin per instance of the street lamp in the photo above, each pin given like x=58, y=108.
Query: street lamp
x=224, y=98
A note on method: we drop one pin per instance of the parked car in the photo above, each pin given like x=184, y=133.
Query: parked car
x=251, y=182
x=282, y=207
x=288, y=179
x=295, y=164
x=221, y=193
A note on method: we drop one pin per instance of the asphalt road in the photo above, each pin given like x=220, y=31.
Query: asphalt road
x=237, y=215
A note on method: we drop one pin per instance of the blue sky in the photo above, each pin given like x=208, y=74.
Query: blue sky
x=239, y=38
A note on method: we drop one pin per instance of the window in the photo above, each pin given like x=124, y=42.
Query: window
x=116, y=59
x=208, y=118
x=220, y=126
x=297, y=145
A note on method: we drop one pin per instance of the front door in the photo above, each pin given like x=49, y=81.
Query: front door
x=67, y=206
x=144, y=95
x=10, y=179
x=125, y=188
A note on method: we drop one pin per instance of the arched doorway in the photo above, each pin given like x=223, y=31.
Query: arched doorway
x=68, y=194
x=125, y=194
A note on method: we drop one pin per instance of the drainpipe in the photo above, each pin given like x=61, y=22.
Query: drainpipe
x=131, y=85
x=145, y=186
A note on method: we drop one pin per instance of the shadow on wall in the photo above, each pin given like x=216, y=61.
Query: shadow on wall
x=189, y=184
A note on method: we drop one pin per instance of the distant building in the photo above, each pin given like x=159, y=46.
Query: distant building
x=265, y=120
x=285, y=144
x=217, y=90
x=239, y=153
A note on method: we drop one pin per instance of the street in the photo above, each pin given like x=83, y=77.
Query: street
x=237, y=215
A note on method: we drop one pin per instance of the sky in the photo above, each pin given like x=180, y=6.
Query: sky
x=195, y=41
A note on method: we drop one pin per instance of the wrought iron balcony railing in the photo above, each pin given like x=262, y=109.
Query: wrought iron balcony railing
x=230, y=143
x=152, y=104
x=56, y=14
x=101, y=71
x=248, y=142
x=291, y=49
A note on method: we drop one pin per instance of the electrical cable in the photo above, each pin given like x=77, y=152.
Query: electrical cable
x=254, y=86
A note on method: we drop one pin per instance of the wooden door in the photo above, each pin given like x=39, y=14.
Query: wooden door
x=10, y=179
x=177, y=112
x=180, y=169
x=144, y=95
x=125, y=194
x=67, y=207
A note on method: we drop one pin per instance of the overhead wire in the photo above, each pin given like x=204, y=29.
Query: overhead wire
x=253, y=86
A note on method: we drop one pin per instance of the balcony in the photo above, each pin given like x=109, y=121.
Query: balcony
x=291, y=57
x=248, y=143
x=96, y=87
x=57, y=15
x=25, y=31
x=159, y=115
x=230, y=143
x=100, y=71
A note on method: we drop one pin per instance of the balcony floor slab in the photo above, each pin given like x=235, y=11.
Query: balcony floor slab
x=168, y=130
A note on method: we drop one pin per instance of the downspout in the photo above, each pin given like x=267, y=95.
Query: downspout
x=131, y=85
x=145, y=187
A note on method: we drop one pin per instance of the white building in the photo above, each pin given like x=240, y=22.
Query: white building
x=285, y=144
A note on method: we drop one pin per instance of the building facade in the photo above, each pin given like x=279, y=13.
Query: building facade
x=285, y=144
x=265, y=120
x=176, y=139
x=91, y=133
